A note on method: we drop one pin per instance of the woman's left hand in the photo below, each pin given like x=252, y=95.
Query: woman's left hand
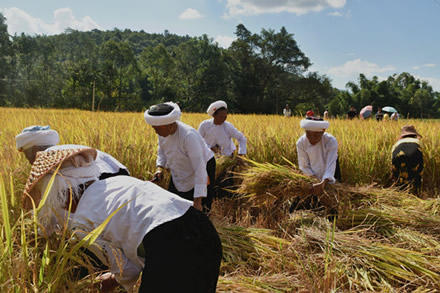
x=108, y=282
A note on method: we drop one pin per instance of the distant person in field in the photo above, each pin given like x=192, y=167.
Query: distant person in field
x=182, y=149
x=151, y=231
x=407, y=159
x=287, y=112
x=352, y=113
x=39, y=138
x=218, y=133
x=317, y=157
x=395, y=116
x=310, y=113
x=379, y=114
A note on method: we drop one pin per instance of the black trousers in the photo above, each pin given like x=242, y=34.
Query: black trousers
x=207, y=201
x=182, y=256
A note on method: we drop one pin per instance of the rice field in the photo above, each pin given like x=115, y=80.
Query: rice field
x=382, y=240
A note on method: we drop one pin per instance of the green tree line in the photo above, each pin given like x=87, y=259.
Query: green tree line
x=130, y=70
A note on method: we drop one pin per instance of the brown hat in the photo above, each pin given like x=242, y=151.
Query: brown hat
x=409, y=130
x=46, y=161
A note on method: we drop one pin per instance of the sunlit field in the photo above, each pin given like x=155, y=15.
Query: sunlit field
x=382, y=240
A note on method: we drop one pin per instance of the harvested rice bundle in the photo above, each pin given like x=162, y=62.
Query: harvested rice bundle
x=267, y=190
x=252, y=250
x=384, y=209
x=370, y=265
x=269, y=283
x=225, y=182
x=224, y=165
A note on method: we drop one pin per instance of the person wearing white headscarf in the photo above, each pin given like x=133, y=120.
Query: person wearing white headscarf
x=218, y=132
x=151, y=231
x=35, y=138
x=318, y=153
x=185, y=153
x=38, y=138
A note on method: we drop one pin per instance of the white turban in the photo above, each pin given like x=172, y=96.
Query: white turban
x=314, y=125
x=215, y=106
x=169, y=118
x=36, y=136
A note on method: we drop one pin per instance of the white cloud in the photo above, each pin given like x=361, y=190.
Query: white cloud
x=19, y=21
x=254, y=7
x=354, y=67
x=224, y=41
x=336, y=13
x=429, y=65
x=190, y=13
x=346, y=14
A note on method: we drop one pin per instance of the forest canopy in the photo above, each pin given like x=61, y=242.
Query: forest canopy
x=124, y=70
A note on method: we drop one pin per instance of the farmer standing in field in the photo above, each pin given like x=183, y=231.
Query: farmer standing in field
x=407, y=159
x=318, y=154
x=218, y=132
x=38, y=138
x=287, y=112
x=185, y=153
x=151, y=230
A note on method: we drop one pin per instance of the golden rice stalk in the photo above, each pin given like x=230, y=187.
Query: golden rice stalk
x=368, y=264
x=269, y=283
x=254, y=250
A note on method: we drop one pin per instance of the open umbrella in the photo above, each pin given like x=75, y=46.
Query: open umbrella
x=389, y=109
x=366, y=111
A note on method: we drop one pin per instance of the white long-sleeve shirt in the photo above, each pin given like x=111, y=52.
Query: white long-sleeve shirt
x=186, y=154
x=146, y=207
x=105, y=162
x=318, y=160
x=222, y=135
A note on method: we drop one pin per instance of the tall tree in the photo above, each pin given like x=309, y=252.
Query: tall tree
x=259, y=61
x=159, y=68
x=118, y=69
x=201, y=73
x=5, y=55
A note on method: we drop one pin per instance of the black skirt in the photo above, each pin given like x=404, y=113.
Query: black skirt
x=182, y=255
x=206, y=201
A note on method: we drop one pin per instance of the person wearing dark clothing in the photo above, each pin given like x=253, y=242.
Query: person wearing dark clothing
x=407, y=160
x=379, y=115
x=352, y=113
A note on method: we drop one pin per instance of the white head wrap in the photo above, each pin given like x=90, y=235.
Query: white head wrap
x=36, y=136
x=68, y=179
x=171, y=117
x=314, y=125
x=215, y=106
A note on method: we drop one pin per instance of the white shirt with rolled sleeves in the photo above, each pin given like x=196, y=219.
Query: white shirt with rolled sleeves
x=146, y=207
x=105, y=162
x=185, y=153
x=222, y=135
x=318, y=160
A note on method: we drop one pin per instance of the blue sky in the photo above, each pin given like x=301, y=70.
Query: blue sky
x=342, y=38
